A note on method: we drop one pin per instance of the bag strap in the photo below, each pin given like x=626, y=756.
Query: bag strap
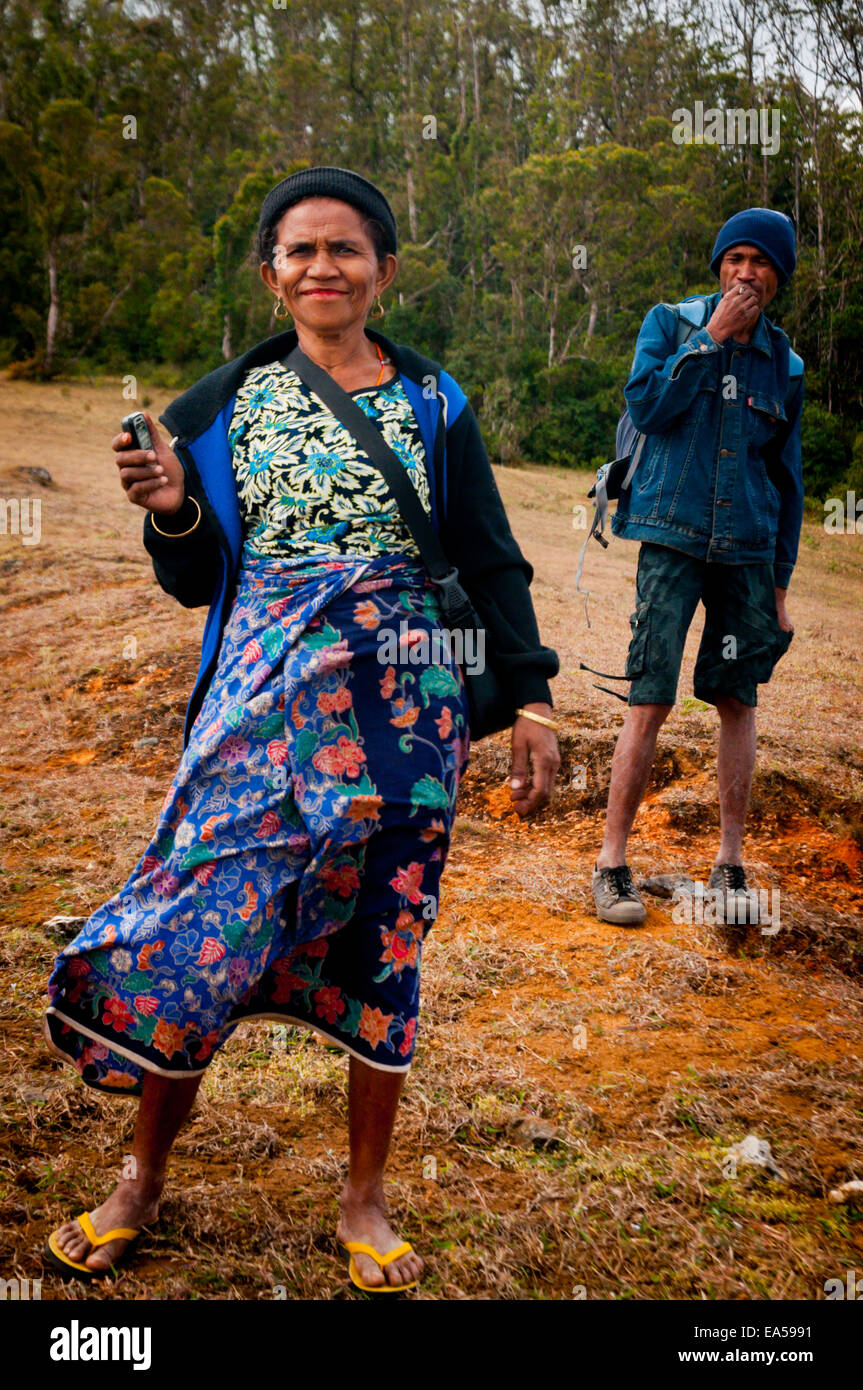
x=455, y=603
x=597, y=526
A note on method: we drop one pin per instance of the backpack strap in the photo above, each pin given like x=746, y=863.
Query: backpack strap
x=691, y=315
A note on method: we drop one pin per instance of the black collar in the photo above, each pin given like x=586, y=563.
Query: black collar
x=190, y=414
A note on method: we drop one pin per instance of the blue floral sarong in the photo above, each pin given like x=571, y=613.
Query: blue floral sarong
x=294, y=871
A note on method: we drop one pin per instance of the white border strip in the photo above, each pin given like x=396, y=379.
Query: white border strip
x=182, y=1075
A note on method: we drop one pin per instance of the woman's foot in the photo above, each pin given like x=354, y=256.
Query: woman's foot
x=365, y=1219
x=132, y=1203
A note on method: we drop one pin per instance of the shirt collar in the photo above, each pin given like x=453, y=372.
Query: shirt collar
x=760, y=339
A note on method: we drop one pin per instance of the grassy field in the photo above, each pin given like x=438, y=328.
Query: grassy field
x=575, y=1086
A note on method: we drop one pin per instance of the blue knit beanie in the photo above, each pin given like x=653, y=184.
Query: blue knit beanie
x=772, y=232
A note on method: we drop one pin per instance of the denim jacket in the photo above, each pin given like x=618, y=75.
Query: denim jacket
x=720, y=476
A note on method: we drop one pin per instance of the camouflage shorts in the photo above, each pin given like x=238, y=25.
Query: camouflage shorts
x=742, y=640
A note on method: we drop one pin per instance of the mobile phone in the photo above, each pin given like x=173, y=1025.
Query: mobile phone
x=136, y=426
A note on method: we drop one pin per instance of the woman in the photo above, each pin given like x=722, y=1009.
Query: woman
x=294, y=870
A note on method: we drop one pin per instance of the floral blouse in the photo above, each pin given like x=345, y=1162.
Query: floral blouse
x=304, y=484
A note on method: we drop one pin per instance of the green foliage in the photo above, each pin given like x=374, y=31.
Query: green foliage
x=826, y=449
x=528, y=152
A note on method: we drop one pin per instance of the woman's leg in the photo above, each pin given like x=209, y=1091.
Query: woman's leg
x=375, y=862
x=163, y=1107
x=373, y=1097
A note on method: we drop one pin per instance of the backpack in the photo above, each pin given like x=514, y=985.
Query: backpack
x=615, y=477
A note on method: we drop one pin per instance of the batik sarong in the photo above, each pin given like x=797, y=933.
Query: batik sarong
x=294, y=872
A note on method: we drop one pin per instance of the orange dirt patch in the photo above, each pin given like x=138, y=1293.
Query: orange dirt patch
x=646, y=1052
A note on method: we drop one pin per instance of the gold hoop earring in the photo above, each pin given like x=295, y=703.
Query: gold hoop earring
x=378, y=311
x=285, y=314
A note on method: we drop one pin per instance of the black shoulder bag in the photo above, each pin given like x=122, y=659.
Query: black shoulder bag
x=490, y=708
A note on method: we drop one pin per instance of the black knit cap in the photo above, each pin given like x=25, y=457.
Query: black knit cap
x=326, y=181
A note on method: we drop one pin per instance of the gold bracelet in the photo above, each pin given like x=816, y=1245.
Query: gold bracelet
x=175, y=535
x=540, y=718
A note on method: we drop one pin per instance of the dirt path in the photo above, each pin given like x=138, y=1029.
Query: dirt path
x=575, y=1087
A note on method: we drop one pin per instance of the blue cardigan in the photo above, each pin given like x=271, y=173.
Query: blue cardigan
x=466, y=511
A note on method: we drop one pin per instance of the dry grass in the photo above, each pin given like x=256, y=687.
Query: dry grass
x=575, y=1087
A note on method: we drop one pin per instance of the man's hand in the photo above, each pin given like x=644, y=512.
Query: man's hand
x=782, y=612
x=737, y=312
x=152, y=478
x=535, y=743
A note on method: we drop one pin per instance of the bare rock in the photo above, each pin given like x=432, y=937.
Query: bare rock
x=65, y=928
x=754, y=1153
x=531, y=1133
x=36, y=475
x=36, y=1095
x=666, y=885
x=848, y=1192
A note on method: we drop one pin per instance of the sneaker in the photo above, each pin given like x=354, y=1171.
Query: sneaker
x=738, y=903
x=617, y=898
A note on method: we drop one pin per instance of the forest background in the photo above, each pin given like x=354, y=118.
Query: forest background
x=530, y=153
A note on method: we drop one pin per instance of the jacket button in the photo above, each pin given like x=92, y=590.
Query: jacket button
x=724, y=452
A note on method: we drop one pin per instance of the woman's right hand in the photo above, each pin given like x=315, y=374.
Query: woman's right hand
x=152, y=478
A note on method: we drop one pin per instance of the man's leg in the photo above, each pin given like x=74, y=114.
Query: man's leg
x=735, y=766
x=668, y=588
x=630, y=774
x=739, y=648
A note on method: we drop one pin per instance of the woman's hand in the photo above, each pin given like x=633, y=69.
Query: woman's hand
x=535, y=743
x=152, y=478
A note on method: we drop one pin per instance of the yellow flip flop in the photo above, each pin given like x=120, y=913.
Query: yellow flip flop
x=70, y=1269
x=359, y=1247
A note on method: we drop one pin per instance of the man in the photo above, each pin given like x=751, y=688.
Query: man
x=717, y=503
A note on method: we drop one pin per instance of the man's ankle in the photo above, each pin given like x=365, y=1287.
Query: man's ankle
x=604, y=860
